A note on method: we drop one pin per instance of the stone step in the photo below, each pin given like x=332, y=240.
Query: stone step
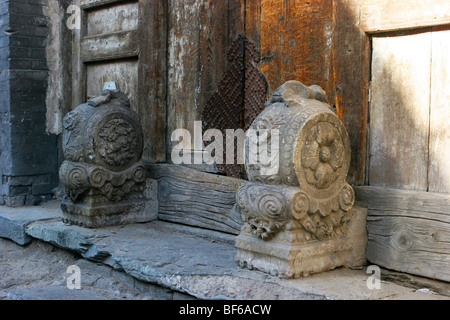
x=184, y=260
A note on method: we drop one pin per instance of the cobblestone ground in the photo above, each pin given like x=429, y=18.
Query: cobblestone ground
x=39, y=271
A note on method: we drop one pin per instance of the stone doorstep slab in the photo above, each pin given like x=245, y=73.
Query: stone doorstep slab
x=176, y=257
x=13, y=221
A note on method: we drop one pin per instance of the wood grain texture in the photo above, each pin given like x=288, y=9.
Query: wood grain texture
x=123, y=72
x=115, y=18
x=349, y=92
x=78, y=67
x=439, y=141
x=318, y=42
x=386, y=15
x=408, y=231
x=295, y=41
x=399, y=111
x=152, y=76
x=200, y=33
x=111, y=46
x=195, y=198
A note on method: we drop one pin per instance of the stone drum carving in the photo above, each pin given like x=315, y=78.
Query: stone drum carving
x=300, y=218
x=103, y=173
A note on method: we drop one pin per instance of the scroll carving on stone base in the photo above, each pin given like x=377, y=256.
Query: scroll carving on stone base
x=103, y=173
x=300, y=219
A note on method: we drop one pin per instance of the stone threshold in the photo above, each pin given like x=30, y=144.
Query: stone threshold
x=189, y=260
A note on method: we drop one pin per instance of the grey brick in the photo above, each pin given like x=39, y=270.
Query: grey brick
x=18, y=191
x=29, y=180
x=16, y=201
x=42, y=188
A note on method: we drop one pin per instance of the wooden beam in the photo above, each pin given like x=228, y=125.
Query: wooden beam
x=388, y=15
x=408, y=231
x=196, y=198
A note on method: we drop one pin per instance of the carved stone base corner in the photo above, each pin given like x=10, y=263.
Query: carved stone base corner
x=286, y=257
x=95, y=213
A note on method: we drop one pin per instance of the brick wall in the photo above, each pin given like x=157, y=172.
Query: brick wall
x=29, y=156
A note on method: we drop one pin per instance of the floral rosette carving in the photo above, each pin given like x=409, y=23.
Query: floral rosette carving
x=322, y=155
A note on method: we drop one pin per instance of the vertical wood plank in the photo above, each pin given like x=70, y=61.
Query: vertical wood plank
x=349, y=93
x=439, y=148
x=152, y=78
x=252, y=21
x=399, y=115
x=295, y=41
x=78, y=68
x=200, y=33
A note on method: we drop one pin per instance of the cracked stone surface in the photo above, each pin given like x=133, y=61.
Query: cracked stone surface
x=39, y=272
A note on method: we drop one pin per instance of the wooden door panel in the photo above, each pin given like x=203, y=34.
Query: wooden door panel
x=399, y=111
x=120, y=17
x=123, y=72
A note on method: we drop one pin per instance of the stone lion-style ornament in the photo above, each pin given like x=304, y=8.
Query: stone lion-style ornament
x=300, y=219
x=103, y=173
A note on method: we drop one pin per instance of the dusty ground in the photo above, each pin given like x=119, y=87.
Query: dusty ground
x=39, y=271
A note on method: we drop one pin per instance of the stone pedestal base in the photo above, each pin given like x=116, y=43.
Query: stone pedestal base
x=285, y=257
x=142, y=208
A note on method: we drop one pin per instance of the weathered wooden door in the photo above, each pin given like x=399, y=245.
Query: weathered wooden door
x=407, y=173
x=410, y=111
x=124, y=41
